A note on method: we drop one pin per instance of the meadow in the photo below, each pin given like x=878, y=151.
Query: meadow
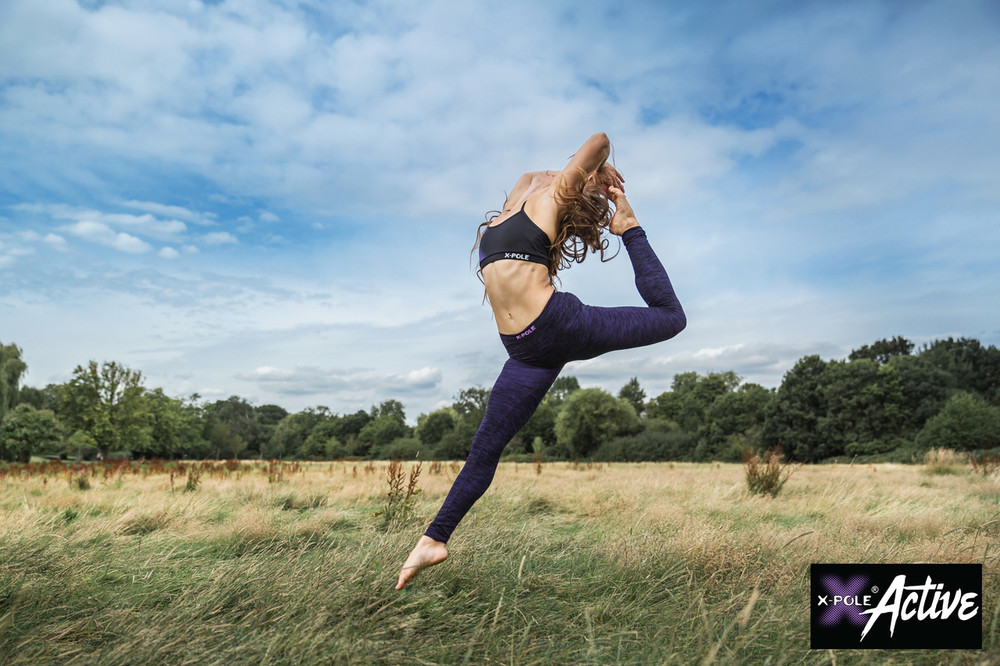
x=567, y=563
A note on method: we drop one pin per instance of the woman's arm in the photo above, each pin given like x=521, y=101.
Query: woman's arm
x=587, y=160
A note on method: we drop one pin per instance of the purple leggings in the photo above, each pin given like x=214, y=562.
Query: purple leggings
x=566, y=330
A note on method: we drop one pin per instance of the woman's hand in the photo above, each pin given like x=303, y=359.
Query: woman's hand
x=624, y=217
x=607, y=177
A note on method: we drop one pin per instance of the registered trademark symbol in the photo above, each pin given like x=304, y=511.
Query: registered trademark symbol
x=874, y=589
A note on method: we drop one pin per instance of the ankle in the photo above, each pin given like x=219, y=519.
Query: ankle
x=429, y=541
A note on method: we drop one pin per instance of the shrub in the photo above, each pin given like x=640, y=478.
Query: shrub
x=649, y=445
x=193, y=479
x=985, y=463
x=876, y=446
x=401, y=495
x=401, y=448
x=942, y=461
x=768, y=476
x=965, y=423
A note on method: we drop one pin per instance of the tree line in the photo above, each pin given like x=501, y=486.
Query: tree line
x=885, y=400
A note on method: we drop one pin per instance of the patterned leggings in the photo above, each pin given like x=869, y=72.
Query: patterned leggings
x=566, y=330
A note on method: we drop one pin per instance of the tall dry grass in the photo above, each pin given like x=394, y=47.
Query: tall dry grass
x=630, y=563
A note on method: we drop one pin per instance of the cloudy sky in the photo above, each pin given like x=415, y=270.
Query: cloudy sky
x=278, y=199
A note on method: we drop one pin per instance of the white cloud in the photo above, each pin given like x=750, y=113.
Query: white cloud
x=97, y=232
x=326, y=382
x=55, y=241
x=169, y=253
x=147, y=225
x=177, y=212
x=10, y=254
x=144, y=224
x=267, y=216
x=219, y=238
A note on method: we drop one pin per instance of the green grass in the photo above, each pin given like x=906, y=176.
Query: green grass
x=636, y=564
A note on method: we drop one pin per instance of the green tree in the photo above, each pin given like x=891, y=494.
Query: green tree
x=322, y=440
x=561, y=389
x=25, y=430
x=792, y=419
x=291, y=434
x=469, y=407
x=668, y=405
x=80, y=445
x=924, y=387
x=393, y=408
x=734, y=420
x=965, y=423
x=380, y=432
x=435, y=426
x=470, y=404
x=690, y=397
x=350, y=425
x=975, y=368
x=175, y=428
x=224, y=441
x=590, y=417
x=107, y=402
x=863, y=405
x=240, y=416
x=11, y=369
x=883, y=351
x=541, y=426
x=457, y=442
x=633, y=394
x=268, y=417
x=46, y=398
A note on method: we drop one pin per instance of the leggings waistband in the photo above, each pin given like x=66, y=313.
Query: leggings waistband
x=533, y=344
x=548, y=313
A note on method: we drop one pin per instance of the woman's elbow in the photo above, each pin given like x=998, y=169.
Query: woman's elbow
x=600, y=140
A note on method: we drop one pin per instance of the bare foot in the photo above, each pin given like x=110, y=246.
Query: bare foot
x=624, y=217
x=426, y=553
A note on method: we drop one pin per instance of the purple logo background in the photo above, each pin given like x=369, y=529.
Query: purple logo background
x=853, y=586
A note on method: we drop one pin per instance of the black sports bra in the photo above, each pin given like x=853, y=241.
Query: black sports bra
x=517, y=237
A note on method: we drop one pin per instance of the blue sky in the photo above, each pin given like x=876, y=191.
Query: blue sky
x=277, y=200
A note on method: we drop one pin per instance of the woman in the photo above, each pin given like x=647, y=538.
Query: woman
x=550, y=219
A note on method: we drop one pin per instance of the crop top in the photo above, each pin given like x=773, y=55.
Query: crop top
x=517, y=237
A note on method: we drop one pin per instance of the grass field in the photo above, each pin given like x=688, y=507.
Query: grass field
x=627, y=563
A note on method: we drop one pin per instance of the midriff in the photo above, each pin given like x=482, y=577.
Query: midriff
x=518, y=292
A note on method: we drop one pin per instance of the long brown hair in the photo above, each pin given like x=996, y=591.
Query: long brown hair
x=584, y=214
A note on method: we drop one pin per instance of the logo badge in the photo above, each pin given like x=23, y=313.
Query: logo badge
x=896, y=606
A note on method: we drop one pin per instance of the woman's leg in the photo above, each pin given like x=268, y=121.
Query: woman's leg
x=597, y=330
x=567, y=330
x=514, y=398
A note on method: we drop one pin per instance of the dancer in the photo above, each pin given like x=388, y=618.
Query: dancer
x=550, y=219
